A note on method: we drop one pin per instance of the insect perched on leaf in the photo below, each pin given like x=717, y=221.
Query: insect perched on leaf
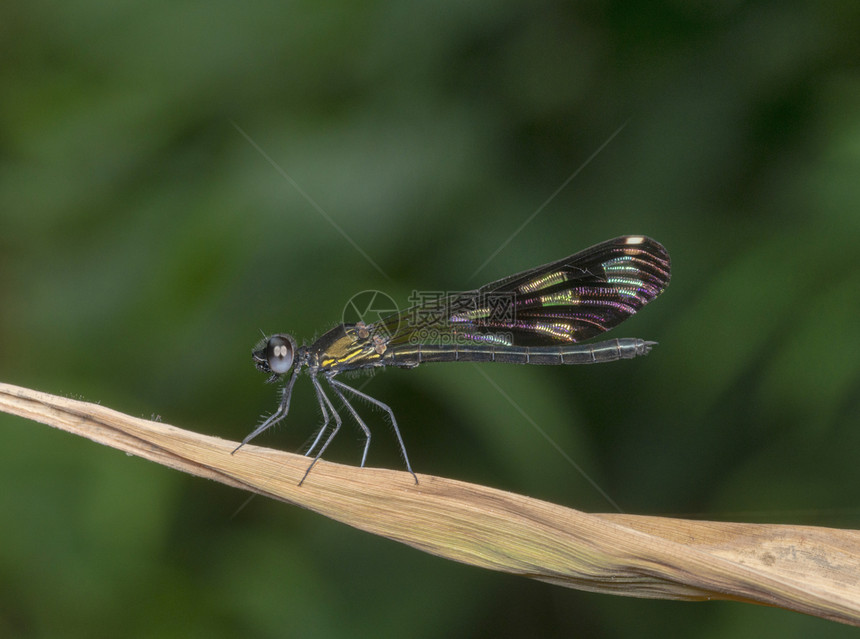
x=539, y=316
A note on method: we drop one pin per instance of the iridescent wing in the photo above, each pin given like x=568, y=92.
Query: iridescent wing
x=563, y=302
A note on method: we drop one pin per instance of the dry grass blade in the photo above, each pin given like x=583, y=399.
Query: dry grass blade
x=807, y=569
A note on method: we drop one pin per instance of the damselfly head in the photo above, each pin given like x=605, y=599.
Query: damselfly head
x=275, y=355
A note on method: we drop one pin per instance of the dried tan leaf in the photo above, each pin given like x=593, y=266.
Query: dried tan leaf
x=803, y=568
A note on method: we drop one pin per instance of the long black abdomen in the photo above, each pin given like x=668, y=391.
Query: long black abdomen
x=606, y=351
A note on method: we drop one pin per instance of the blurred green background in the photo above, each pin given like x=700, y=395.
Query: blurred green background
x=145, y=243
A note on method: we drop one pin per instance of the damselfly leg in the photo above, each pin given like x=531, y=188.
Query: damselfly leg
x=278, y=415
x=340, y=385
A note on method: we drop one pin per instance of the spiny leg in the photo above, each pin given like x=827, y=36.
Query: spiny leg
x=384, y=407
x=337, y=424
x=278, y=415
x=321, y=398
x=355, y=416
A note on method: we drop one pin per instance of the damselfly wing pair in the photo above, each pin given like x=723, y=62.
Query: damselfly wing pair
x=539, y=316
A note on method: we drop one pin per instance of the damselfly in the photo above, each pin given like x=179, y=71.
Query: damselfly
x=538, y=316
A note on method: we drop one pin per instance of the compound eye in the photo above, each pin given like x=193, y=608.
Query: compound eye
x=279, y=354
